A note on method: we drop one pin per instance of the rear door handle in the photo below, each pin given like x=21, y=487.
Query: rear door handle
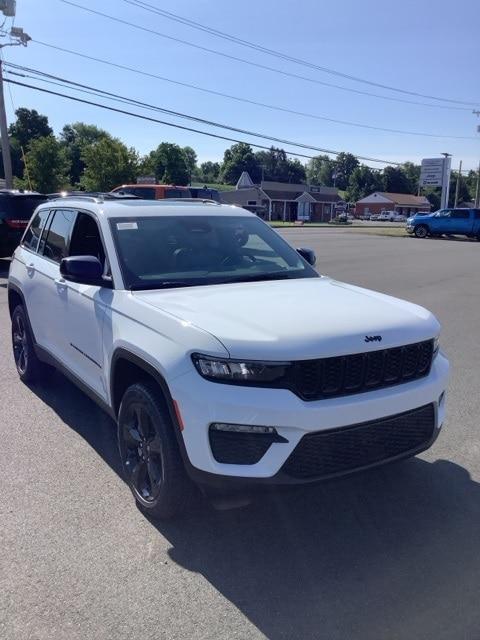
x=30, y=269
x=61, y=284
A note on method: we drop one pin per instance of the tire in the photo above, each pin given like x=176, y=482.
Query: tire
x=149, y=452
x=421, y=231
x=29, y=368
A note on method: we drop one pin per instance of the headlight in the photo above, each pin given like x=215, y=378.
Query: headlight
x=436, y=345
x=240, y=371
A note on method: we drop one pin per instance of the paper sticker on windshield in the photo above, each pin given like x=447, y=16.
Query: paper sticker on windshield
x=122, y=226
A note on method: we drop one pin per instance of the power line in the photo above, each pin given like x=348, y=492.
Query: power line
x=145, y=105
x=255, y=64
x=278, y=54
x=112, y=96
x=170, y=124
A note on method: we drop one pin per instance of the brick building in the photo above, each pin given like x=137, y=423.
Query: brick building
x=379, y=201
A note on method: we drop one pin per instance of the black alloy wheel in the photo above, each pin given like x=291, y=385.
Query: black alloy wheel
x=29, y=368
x=19, y=342
x=142, y=453
x=149, y=452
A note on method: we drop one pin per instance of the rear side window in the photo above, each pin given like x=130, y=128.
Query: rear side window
x=476, y=214
x=34, y=231
x=20, y=207
x=177, y=193
x=147, y=193
x=58, y=236
x=460, y=215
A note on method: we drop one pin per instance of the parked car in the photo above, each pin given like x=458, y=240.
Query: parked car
x=374, y=216
x=205, y=193
x=181, y=321
x=387, y=216
x=399, y=217
x=153, y=191
x=464, y=222
x=16, y=208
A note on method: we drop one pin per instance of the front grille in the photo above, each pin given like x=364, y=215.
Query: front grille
x=337, y=451
x=344, y=375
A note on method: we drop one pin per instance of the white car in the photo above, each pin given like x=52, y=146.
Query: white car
x=399, y=217
x=387, y=216
x=219, y=351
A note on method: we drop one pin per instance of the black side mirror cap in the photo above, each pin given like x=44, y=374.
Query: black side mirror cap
x=84, y=270
x=308, y=255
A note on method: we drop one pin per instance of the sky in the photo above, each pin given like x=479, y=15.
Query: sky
x=421, y=46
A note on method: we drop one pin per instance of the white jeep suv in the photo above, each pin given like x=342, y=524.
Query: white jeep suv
x=219, y=351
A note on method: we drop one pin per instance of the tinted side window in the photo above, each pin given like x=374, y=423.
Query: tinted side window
x=460, y=215
x=58, y=235
x=177, y=193
x=147, y=193
x=476, y=213
x=32, y=234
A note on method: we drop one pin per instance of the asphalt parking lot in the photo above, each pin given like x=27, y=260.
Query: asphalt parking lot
x=389, y=554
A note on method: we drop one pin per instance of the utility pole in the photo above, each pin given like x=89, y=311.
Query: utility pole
x=17, y=37
x=457, y=187
x=477, y=188
x=445, y=180
x=7, y=158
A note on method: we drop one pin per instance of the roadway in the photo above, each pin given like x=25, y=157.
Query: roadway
x=391, y=553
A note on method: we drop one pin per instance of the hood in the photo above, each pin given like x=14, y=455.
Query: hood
x=295, y=319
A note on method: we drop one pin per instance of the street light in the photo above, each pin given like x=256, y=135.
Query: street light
x=19, y=34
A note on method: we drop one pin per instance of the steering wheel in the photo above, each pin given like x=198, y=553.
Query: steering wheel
x=230, y=259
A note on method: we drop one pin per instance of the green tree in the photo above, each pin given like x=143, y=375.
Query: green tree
x=345, y=164
x=363, y=181
x=169, y=164
x=238, y=158
x=412, y=172
x=47, y=165
x=463, y=191
x=28, y=126
x=108, y=163
x=276, y=165
x=190, y=160
x=75, y=138
x=320, y=170
x=395, y=180
x=209, y=171
x=146, y=165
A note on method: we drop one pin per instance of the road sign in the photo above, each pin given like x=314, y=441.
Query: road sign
x=432, y=172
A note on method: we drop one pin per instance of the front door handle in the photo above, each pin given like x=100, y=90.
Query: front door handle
x=61, y=285
x=30, y=269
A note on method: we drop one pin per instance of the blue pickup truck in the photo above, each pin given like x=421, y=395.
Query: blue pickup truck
x=462, y=222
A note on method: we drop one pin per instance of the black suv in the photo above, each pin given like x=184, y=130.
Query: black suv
x=16, y=209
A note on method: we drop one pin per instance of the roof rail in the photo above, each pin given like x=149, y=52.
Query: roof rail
x=190, y=200
x=100, y=197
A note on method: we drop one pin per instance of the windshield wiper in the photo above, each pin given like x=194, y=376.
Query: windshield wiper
x=260, y=276
x=164, y=284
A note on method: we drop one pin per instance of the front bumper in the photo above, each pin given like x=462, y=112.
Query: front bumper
x=202, y=403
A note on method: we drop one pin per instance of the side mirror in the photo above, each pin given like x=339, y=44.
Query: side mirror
x=84, y=270
x=308, y=255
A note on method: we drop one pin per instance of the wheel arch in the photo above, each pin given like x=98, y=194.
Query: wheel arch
x=15, y=297
x=127, y=368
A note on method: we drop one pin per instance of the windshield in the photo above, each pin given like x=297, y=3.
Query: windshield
x=177, y=251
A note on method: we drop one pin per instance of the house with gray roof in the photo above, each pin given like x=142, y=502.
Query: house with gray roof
x=284, y=201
